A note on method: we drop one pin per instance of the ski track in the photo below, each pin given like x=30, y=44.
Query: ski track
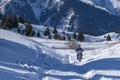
x=80, y=73
x=48, y=63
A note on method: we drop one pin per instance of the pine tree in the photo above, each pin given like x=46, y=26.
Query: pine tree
x=28, y=28
x=67, y=34
x=74, y=35
x=23, y=31
x=80, y=36
x=64, y=37
x=45, y=25
x=18, y=30
x=104, y=36
x=63, y=32
x=69, y=38
x=15, y=22
x=108, y=37
x=21, y=20
x=49, y=36
x=56, y=36
x=6, y=22
x=55, y=30
x=47, y=32
x=32, y=33
x=9, y=22
x=38, y=34
x=0, y=27
x=5, y=25
x=3, y=20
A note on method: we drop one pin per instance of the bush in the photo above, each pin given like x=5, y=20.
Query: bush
x=38, y=34
x=72, y=44
x=18, y=30
x=108, y=38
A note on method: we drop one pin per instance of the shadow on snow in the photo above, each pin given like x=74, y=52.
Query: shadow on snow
x=102, y=64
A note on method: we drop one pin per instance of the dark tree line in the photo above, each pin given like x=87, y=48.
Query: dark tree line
x=64, y=36
x=79, y=36
x=10, y=22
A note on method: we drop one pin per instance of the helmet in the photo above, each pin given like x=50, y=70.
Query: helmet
x=79, y=46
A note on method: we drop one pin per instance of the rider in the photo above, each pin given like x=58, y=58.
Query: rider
x=79, y=51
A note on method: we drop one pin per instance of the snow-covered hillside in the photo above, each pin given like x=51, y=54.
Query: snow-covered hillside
x=25, y=58
x=21, y=57
x=88, y=38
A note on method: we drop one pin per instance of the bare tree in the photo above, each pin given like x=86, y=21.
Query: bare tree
x=72, y=44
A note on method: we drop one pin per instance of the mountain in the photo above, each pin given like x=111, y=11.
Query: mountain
x=112, y=6
x=29, y=9
x=71, y=15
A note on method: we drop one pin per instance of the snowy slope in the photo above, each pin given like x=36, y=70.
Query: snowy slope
x=25, y=58
x=17, y=50
x=88, y=38
x=100, y=61
x=11, y=52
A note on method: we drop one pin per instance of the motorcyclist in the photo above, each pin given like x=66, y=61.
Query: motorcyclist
x=79, y=51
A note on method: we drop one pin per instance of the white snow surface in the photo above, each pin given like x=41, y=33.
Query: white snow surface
x=32, y=58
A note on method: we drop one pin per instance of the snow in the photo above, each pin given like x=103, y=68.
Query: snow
x=110, y=6
x=70, y=14
x=97, y=6
x=32, y=58
x=23, y=52
x=3, y=4
x=88, y=38
x=37, y=11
